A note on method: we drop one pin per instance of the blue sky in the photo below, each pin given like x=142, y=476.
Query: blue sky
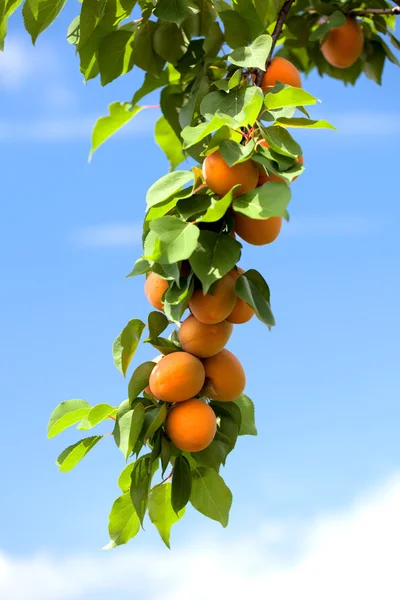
x=325, y=468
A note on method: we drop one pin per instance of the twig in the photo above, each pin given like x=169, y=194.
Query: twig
x=364, y=12
x=275, y=35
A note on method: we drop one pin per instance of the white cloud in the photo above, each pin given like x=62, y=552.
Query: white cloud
x=21, y=62
x=348, y=554
x=110, y=234
x=332, y=226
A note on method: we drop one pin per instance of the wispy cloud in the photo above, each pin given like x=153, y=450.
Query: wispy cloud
x=21, y=62
x=109, y=235
x=348, y=554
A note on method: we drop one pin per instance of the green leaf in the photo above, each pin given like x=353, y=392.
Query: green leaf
x=127, y=429
x=175, y=11
x=125, y=478
x=96, y=415
x=164, y=345
x=153, y=420
x=169, y=142
x=39, y=14
x=230, y=422
x=254, y=55
x=268, y=200
x=115, y=56
x=140, y=379
x=218, y=207
x=374, y=62
x=168, y=272
x=234, y=153
x=140, y=486
x=254, y=290
x=190, y=111
x=165, y=454
x=161, y=513
x=246, y=406
x=181, y=484
x=167, y=186
x=66, y=414
x=140, y=267
x=72, y=455
x=191, y=208
x=7, y=8
x=240, y=107
x=305, y=123
x=177, y=239
x=170, y=42
x=210, y=495
x=281, y=141
x=288, y=96
x=237, y=31
x=151, y=83
x=120, y=114
x=123, y=523
x=126, y=343
x=215, y=255
x=157, y=323
x=337, y=19
x=145, y=57
x=193, y=135
x=214, y=455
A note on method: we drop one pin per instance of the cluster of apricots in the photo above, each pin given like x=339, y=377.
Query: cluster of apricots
x=205, y=368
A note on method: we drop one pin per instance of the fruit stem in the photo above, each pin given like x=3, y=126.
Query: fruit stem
x=203, y=185
x=376, y=11
x=151, y=106
x=275, y=35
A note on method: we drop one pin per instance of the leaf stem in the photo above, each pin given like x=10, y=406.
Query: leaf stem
x=364, y=12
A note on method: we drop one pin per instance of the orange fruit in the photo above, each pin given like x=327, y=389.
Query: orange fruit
x=225, y=377
x=220, y=177
x=177, y=377
x=154, y=288
x=191, y=425
x=214, y=308
x=201, y=339
x=344, y=45
x=257, y=231
x=280, y=70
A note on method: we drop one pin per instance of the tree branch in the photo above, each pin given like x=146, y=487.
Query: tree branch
x=364, y=12
x=275, y=35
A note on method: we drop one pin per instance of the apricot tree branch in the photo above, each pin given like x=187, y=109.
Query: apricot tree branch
x=275, y=35
x=365, y=12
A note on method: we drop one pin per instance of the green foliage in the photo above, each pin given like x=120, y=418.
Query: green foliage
x=39, y=14
x=127, y=429
x=254, y=290
x=96, y=415
x=255, y=55
x=210, y=495
x=268, y=200
x=246, y=406
x=71, y=456
x=215, y=255
x=140, y=379
x=126, y=344
x=140, y=485
x=161, y=512
x=120, y=114
x=123, y=523
x=66, y=414
x=181, y=484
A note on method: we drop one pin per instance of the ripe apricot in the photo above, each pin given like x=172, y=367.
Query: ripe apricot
x=177, y=377
x=225, y=377
x=264, y=178
x=343, y=45
x=191, y=425
x=154, y=288
x=214, y=308
x=220, y=177
x=257, y=231
x=280, y=70
x=201, y=339
x=242, y=312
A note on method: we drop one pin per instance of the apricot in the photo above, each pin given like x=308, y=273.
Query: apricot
x=177, y=377
x=220, y=177
x=201, y=339
x=280, y=70
x=154, y=288
x=344, y=45
x=257, y=231
x=264, y=178
x=225, y=377
x=242, y=312
x=191, y=425
x=214, y=308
